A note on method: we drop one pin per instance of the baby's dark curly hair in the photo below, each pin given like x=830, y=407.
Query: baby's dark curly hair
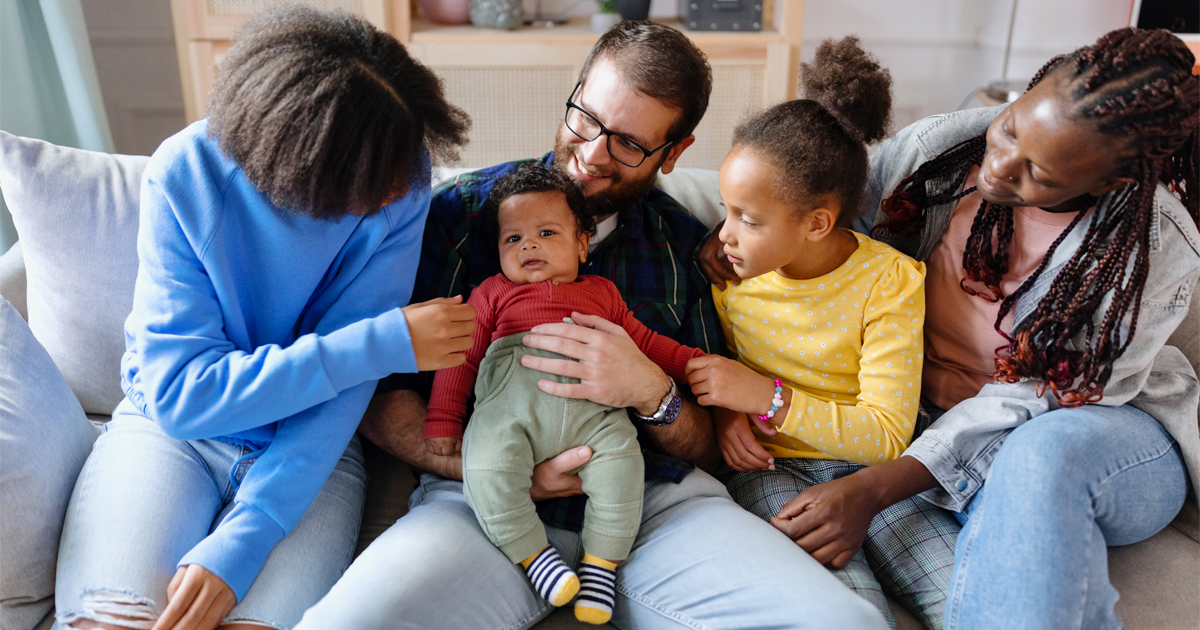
x=818, y=144
x=531, y=178
x=326, y=114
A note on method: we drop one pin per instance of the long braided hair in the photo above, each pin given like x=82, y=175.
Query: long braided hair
x=1136, y=85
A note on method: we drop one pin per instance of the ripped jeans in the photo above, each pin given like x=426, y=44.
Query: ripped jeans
x=143, y=500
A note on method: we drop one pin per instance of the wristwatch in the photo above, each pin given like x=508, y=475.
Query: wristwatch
x=668, y=409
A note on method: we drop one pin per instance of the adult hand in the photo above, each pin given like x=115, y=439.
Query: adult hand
x=196, y=600
x=552, y=478
x=440, y=330
x=713, y=261
x=443, y=445
x=611, y=369
x=829, y=520
x=740, y=450
x=720, y=382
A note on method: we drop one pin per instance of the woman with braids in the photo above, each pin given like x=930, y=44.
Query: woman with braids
x=1062, y=249
x=277, y=250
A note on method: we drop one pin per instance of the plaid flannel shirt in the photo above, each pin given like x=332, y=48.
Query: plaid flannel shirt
x=650, y=257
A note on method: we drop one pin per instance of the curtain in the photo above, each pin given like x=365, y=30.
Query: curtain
x=48, y=84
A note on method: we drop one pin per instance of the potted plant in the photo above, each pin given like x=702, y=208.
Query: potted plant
x=606, y=16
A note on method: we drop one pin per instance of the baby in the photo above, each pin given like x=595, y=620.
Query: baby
x=543, y=233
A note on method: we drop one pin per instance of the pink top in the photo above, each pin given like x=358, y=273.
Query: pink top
x=960, y=334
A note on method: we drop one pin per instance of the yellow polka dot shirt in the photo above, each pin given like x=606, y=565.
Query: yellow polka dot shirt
x=848, y=344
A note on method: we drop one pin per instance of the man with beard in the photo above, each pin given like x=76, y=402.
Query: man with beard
x=699, y=560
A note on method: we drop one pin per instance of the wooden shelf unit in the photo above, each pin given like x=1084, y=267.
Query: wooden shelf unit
x=514, y=83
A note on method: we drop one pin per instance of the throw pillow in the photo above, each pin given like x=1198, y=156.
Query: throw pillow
x=44, y=440
x=696, y=189
x=76, y=213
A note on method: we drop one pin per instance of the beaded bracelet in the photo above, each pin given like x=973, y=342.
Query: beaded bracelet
x=776, y=402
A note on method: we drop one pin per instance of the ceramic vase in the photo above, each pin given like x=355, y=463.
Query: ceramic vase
x=447, y=11
x=501, y=14
x=601, y=22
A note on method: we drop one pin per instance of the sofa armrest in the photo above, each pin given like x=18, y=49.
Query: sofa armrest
x=12, y=279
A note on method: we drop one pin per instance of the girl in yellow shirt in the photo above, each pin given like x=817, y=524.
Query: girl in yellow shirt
x=826, y=326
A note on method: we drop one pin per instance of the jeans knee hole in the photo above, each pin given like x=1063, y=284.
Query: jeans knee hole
x=121, y=609
x=248, y=622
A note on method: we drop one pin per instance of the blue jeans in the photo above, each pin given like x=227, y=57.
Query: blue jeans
x=1064, y=486
x=143, y=500
x=699, y=561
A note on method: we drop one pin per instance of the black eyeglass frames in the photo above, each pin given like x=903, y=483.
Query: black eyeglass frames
x=624, y=150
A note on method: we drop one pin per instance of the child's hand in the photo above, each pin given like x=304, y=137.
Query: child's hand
x=443, y=445
x=720, y=382
x=713, y=261
x=440, y=330
x=740, y=450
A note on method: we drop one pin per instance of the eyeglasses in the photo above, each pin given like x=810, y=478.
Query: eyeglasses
x=622, y=148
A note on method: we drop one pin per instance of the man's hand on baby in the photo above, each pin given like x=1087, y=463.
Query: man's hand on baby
x=829, y=520
x=611, y=369
x=738, y=445
x=443, y=445
x=440, y=330
x=720, y=382
x=713, y=261
x=552, y=478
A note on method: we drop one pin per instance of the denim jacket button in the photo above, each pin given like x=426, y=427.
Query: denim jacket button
x=961, y=485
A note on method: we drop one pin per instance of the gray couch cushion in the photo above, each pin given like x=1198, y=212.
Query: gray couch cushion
x=44, y=440
x=76, y=213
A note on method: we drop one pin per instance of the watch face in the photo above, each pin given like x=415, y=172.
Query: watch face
x=673, y=409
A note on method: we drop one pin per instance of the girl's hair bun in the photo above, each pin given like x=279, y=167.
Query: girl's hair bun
x=849, y=82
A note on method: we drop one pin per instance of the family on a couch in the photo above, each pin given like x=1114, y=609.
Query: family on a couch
x=913, y=375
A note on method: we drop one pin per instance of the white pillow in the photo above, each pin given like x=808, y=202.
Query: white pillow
x=76, y=213
x=44, y=440
x=696, y=189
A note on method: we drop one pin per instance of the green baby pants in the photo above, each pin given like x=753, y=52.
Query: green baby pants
x=516, y=425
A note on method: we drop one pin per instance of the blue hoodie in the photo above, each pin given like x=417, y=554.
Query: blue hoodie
x=259, y=327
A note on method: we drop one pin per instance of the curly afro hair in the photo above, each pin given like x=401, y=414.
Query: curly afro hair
x=326, y=114
x=818, y=144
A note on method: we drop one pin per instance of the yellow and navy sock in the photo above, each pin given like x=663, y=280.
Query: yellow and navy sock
x=597, y=590
x=551, y=577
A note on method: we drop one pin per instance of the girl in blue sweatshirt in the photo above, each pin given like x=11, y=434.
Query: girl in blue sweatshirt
x=278, y=244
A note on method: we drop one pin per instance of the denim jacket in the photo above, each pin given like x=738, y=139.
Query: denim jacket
x=959, y=447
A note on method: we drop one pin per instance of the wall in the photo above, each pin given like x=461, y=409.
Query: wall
x=133, y=45
x=939, y=51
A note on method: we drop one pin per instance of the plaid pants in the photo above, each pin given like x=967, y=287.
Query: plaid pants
x=909, y=549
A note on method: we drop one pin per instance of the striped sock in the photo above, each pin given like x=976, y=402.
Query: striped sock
x=551, y=577
x=597, y=590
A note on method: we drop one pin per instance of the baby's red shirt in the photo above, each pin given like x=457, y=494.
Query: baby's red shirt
x=503, y=308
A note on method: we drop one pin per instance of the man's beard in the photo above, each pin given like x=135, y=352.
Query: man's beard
x=620, y=193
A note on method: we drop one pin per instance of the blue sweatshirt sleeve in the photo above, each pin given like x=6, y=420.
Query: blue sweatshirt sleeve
x=183, y=371
x=279, y=488
x=288, y=475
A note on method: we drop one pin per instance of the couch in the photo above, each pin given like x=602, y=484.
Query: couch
x=71, y=278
